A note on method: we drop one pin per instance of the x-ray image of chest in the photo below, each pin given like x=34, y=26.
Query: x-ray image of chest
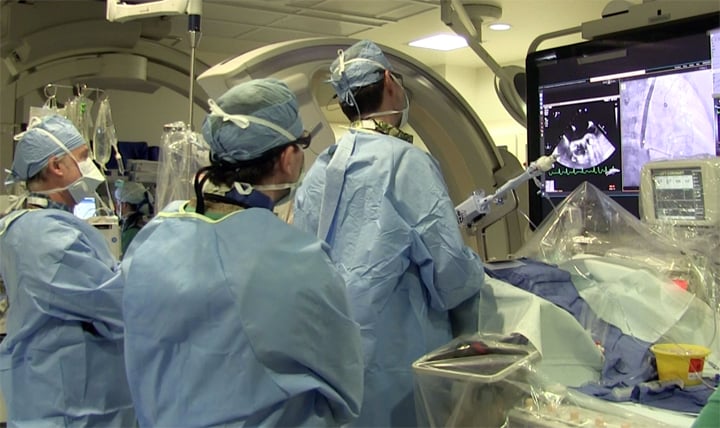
x=666, y=117
x=583, y=134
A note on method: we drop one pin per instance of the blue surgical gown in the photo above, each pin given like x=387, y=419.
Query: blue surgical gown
x=396, y=241
x=61, y=363
x=239, y=321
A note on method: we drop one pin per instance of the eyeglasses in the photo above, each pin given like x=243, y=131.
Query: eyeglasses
x=399, y=77
x=304, y=140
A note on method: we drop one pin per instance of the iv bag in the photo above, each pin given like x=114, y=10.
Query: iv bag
x=77, y=110
x=49, y=108
x=104, y=137
x=182, y=153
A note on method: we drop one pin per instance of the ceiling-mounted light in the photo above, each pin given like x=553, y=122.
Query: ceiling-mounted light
x=498, y=26
x=440, y=42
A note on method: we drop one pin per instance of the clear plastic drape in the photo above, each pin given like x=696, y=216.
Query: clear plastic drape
x=182, y=153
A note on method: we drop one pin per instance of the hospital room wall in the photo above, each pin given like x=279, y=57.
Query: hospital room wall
x=140, y=116
x=8, y=127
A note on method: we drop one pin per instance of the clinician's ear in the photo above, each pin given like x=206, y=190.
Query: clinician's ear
x=56, y=167
x=286, y=160
x=390, y=83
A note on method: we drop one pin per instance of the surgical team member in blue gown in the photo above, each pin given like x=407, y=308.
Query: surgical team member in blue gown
x=61, y=363
x=134, y=205
x=392, y=230
x=234, y=317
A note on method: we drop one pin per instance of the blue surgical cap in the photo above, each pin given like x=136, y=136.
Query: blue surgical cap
x=362, y=64
x=266, y=99
x=130, y=192
x=35, y=148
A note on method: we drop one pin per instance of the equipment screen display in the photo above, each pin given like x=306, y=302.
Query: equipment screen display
x=607, y=107
x=678, y=194
x=85, y=209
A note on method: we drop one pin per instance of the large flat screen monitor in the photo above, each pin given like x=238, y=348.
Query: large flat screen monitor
x=606, y=107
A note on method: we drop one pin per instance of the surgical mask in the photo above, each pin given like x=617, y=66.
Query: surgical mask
x=404, y=113
x=90, y=177
x=406, y=110
x=292, y=186
x=85, y=185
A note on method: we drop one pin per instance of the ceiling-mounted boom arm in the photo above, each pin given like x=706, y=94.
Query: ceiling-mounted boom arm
x=454, y=15
x=121, y=11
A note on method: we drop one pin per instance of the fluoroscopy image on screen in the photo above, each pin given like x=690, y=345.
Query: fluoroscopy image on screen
x=665, y=117
x=583, y=133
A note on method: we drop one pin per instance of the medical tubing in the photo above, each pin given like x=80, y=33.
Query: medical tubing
x=198, y=185
x=146, y=200
x=110, y=199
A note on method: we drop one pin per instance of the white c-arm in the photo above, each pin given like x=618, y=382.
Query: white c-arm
x=474, y=208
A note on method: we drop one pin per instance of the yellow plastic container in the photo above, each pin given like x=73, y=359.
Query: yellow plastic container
x=680, y=361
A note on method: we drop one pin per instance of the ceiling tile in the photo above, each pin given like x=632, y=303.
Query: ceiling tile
x=325, y=27
x=217, y=28
x=407, y=11
x=373, y=8
x=304, y=3
x=241, y=14
x=273, y=35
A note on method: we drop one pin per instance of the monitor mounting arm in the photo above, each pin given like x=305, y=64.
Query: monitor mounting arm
x=465, y=19
x=121, y=11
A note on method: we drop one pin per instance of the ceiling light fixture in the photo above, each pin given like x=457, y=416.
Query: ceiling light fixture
x=440, y=42
x=498, y=26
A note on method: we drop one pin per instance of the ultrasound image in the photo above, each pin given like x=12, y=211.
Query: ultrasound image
x=582, y=134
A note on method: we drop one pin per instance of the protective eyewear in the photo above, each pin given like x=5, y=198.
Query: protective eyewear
x=304, y=140
x=399, y=77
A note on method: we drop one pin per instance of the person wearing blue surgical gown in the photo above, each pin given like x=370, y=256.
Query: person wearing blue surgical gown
x=134, y=207
x=382, y=206
x=61, y=363
x=234, y=317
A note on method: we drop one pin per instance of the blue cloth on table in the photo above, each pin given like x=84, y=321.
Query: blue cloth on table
x=629, y=367
x=628, y=361
x=664, y=395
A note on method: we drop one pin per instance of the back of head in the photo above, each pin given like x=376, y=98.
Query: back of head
x=47, y=137
x=131, y=192
x=361, y=66
x=250, y=119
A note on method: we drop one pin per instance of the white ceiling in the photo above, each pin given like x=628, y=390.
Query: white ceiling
x=231, y=27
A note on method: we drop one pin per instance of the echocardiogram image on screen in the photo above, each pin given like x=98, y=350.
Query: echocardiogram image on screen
x=583, y=135
x=585, y=138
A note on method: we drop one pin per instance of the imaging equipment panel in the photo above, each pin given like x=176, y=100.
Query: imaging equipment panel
x=607, y=107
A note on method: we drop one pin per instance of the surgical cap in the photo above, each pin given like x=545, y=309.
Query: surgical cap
x=130, y=192
x=360, y=65
x=265, y=99
x=35, y=148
